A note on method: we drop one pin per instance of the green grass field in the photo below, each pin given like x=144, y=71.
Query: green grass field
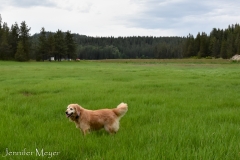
x=178, y=109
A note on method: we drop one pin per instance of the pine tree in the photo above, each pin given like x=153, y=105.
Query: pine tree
x=0, y=28
x=50, y=46
x=189, y=49
x=24, y=37
x=237, y=44
x=41, y=52
x=71, y=46
x=60, y=46
x=21, y=55
x=223, y=52
x=5, y=48
x=14, y=37
x=203, y=52
x=197, y=43
x=214, y=47
x=230, y=45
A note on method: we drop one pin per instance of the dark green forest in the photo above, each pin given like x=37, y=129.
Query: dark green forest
x=16, y=43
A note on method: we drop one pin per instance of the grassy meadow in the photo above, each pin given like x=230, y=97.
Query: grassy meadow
x=178, y=109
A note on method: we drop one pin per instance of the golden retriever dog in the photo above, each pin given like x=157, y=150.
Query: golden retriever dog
x=88, y=120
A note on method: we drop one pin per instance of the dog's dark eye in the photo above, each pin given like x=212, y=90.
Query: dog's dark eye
x=71, y=109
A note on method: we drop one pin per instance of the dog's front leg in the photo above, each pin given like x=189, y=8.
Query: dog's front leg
x=85, y=131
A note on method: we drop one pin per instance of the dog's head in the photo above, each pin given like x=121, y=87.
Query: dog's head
x=73, y=111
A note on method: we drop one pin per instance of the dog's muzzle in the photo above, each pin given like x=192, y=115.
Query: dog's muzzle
x=68, y=115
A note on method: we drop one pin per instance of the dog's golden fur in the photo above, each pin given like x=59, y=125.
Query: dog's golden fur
x=88, y=120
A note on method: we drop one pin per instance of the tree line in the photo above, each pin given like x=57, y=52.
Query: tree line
x=16, y=43
x=218, y=44
x=58, y=45
x=128, y=47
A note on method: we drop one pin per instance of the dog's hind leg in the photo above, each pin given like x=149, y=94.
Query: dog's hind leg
x=113, y=128
x=109, y=129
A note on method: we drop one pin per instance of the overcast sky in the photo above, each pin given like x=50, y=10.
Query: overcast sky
x=122, y=17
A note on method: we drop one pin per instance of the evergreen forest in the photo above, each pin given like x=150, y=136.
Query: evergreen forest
x=16, y=43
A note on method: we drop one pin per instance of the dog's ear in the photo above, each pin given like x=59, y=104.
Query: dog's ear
x=77, y=108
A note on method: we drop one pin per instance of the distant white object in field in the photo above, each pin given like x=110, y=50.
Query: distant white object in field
x=236, y=58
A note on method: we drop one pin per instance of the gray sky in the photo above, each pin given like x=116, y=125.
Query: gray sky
x=122, y=17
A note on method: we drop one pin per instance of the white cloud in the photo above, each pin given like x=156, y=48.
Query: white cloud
x=25, y=3
x=122, y=18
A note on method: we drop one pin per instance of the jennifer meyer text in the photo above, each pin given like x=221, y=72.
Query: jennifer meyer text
x=25, y=152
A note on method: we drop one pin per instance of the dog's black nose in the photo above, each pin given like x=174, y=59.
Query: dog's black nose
x=66, y=112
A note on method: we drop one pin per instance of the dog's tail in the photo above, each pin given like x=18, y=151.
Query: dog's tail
x=121, y=109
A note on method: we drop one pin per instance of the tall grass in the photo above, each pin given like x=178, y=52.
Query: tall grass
x=177, y=109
